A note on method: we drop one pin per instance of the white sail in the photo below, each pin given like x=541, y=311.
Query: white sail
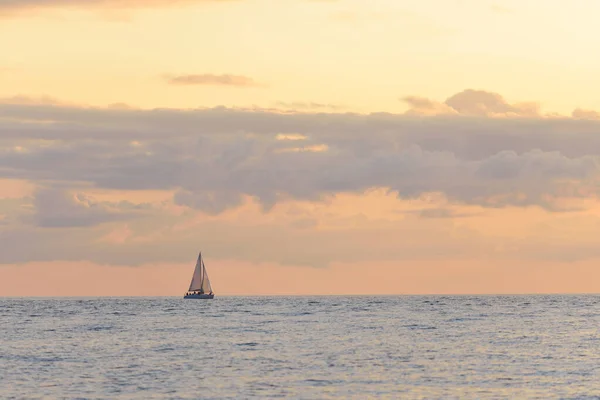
x=196, y=283
x=206, y=288
x=200, y=282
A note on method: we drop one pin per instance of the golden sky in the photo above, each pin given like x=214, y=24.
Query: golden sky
x=306, y=146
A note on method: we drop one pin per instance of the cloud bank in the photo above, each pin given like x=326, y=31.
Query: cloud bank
x=486, y=153
x=213, y=157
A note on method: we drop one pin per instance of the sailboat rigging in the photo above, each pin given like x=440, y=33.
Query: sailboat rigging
x=200, y=287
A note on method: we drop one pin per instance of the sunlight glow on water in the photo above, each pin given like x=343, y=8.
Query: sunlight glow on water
x=301, y=347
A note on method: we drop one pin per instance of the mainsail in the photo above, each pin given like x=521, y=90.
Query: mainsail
x=200, y=281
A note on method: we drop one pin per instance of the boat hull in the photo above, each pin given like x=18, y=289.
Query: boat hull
x=199, y=296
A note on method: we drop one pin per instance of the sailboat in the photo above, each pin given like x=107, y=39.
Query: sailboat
x=200, y=286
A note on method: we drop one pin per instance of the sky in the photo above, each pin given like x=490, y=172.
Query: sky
x=305, y=146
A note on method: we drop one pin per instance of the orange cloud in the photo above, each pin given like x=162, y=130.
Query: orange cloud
x=212, y=79
x=469, y=102
x=123, y=4
x=14, y=188
x=579, y=113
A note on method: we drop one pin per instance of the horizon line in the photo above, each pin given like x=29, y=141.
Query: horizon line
x=318, y=295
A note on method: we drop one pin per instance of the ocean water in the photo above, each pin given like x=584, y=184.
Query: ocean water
x=361, y=347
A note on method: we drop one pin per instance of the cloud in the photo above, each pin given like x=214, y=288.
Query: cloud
x=442, y=213
x=482, y=103
x=212, y=158
x=301, y=105
x=585, y=114
x=211, y=202
x=472, y=103
x=11, y=6
x=263, y=185
x=212, y=79
x=59, y=208
x=424, y=106
x=42, y=100
x=277, y=237
x=315, y=237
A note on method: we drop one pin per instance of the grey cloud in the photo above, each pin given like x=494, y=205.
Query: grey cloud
x=58, y=208
x=470, y=138
x=212, y=79
x=11, y=210
x=211, y=202
x=442, y=213
x=212, y=157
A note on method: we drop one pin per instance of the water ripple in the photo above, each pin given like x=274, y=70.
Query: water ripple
x=294, y=347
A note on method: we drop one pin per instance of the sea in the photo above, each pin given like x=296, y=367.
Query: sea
x=317, y=347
